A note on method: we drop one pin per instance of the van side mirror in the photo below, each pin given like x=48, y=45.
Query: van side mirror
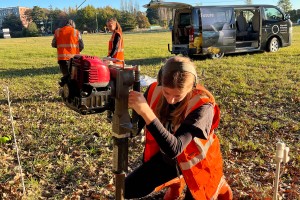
x=287, y=17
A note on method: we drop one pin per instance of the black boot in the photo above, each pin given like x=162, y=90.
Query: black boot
x=64, y=80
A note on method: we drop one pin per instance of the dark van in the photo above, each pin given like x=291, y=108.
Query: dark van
x=219, y=30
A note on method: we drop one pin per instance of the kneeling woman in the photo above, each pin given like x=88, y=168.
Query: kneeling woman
x=180, y=118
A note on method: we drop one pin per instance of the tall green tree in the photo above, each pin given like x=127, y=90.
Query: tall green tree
x=39, y=16
x=106, y=13
x=31, y=31
x=86, y=19
x=56, y=19
x=152, y=15
x=285, y=5
x=12, y=22
x=295, y=15
x=128, y=21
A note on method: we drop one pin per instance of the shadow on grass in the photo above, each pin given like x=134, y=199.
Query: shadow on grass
x=205, y=57
x=244, y=53
x=156, y=61
x=14, y=73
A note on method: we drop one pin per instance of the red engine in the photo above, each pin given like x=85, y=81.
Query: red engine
x=89, y=70
x=87, y=89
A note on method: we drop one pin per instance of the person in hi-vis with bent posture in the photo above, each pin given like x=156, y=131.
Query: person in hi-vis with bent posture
x=181, y=145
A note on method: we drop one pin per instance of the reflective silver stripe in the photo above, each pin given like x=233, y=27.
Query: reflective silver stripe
x=203, y=149
x=68, y=45
x=221, y=183
x=155, y=94
x=121, y=50
x=65, y=55
x=193, y=102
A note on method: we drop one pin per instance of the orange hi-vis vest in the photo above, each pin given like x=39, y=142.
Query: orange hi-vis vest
x=67, y=40
x=201, y=162
x=120, y=51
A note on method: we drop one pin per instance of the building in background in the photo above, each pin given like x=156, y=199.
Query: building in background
x=18, y=11
x=6, y=33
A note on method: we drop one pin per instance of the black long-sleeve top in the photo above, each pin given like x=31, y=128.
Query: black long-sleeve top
x=196, y=124
x=115, y=45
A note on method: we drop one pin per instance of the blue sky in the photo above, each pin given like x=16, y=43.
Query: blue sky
x=61, y=4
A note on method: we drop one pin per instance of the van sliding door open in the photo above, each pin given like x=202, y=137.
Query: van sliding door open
x=218, y=29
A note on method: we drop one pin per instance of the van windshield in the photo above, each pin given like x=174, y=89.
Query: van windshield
x=213, y=19
x=273, y=14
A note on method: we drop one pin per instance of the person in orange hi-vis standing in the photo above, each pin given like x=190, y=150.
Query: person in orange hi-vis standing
x=181, y=145
x=68, y=42
x=116, y=44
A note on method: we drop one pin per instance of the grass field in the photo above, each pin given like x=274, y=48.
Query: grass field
x=65, y=155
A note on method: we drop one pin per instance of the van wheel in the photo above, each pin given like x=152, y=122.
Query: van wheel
x=216, y=56
x=273, y=45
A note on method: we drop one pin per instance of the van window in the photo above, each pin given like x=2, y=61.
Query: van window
x=273, y=14
x=185, y=19
x=213, y=19
x=248, y=14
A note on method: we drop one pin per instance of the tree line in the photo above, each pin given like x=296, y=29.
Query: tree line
x=43, y=21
